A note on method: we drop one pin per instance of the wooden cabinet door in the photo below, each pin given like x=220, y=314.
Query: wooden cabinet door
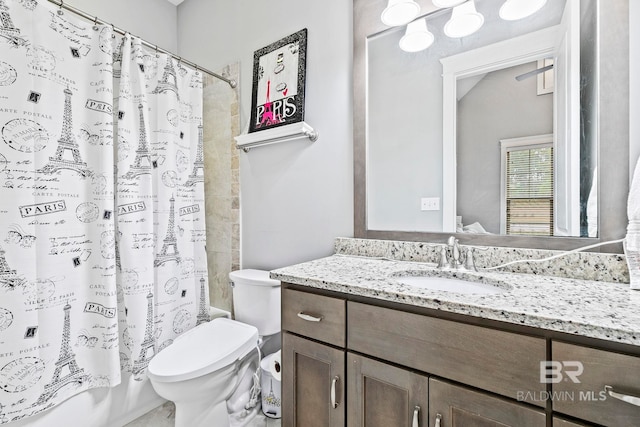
x=455, y=406
x=381, y=395
x=313, y=384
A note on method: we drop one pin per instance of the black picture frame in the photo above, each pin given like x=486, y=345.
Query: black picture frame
x=279, y=72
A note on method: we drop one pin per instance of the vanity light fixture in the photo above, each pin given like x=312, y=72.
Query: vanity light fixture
x=417, y=37
x=513, y=10
x=465, y=20
x=400, y=12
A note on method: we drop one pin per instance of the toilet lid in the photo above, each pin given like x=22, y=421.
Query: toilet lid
x=203, y=349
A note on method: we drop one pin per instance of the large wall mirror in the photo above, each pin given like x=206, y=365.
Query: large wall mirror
x=515, y=135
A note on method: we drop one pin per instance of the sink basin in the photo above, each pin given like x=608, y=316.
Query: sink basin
x=452, y=284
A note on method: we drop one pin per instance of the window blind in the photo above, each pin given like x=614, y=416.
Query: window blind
x=529, y=191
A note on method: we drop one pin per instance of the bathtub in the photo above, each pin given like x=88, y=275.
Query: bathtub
x=104, y=407
x=99, y=407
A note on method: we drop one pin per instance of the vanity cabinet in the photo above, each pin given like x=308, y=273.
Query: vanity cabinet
x=327, y=340
x=366, y=363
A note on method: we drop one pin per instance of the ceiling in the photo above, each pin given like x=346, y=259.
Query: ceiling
x=175, y=2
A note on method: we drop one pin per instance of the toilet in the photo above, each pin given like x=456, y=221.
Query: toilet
x=207, y=370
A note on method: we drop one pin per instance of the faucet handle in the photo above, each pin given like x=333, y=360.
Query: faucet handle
x=469, y=262
x=444, y=259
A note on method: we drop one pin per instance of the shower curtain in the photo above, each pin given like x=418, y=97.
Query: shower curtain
x=91, y=289
x=160, y=198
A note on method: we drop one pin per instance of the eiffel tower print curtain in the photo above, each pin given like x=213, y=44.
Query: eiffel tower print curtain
x=98, y=271
x=58, y=318
x=162, y=267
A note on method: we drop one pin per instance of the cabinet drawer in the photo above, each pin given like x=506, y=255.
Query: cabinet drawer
x=314, y=316
x=457, y=406
x=588, y=399
x=497, y=361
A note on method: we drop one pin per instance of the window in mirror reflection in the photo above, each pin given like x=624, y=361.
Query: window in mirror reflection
x=528, y=183
x=504, y=157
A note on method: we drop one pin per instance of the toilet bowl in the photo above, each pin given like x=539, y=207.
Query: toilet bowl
x=209, y=364
x=202, y=368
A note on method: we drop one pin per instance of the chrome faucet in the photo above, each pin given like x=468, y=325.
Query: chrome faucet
x=452, y=258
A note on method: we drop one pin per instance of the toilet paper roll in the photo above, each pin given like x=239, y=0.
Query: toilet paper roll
x=275, y=367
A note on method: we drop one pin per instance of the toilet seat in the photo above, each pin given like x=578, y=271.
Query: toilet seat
x=203, y=349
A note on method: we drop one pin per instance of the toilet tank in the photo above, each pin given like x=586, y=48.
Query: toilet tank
x=256, y=300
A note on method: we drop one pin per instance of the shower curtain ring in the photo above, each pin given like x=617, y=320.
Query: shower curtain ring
x=60, y=11
x=157, y=51
x=95, y=24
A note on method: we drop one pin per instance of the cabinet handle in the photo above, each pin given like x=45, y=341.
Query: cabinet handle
x=438, y=419
x=334, y=382
x=634, y=400
x=416, y=413
x=309, y=317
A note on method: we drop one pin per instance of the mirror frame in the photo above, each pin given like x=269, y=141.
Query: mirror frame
x=613, y=133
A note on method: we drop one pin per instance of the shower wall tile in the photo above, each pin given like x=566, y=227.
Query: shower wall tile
x=222, y=240
x=222, y=189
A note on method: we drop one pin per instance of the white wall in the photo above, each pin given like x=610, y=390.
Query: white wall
x=154, y=21
x=296, y=197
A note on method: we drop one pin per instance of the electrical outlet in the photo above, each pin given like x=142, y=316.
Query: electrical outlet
x=430, y=204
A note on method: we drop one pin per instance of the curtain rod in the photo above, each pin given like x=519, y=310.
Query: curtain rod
x=62, y=5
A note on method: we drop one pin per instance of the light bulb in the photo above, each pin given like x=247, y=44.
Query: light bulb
x=513, y=10
x=465, y=20
x=399, y=12
x=417, y=37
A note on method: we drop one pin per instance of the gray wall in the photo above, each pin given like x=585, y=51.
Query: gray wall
x=498, y=107
x=155, y=21
x=296, y=197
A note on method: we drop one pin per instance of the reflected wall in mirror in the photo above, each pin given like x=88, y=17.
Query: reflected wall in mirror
x=414, y=140
x=504, y=103
x=504, y=152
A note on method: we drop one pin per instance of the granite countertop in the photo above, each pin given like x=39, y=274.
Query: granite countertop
x=609, y=311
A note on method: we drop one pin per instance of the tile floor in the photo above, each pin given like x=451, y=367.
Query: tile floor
x=163, y=416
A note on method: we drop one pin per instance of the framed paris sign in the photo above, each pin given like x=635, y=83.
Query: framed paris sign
x=278, y=83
